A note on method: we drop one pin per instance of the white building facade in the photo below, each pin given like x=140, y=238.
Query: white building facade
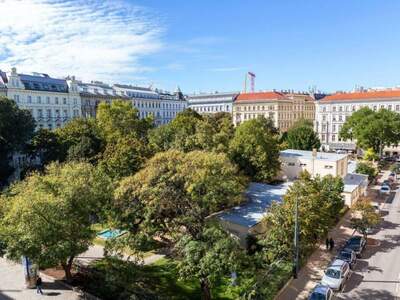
x=52, y=102
x=161, y=105
x=332, y=111
x=212, y=103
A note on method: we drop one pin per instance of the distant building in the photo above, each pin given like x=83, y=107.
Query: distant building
x=51, y=101
x=3, y=84
x=93, y=93
x=163, y=106
x=293, y=162
x=283, y=108
x=212, y=102
x=332, y=111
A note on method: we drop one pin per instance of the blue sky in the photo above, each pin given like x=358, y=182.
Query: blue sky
x=209, y=45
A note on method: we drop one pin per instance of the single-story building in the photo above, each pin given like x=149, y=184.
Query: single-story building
x=355, y=186
x=245, y=219
x=293, y=162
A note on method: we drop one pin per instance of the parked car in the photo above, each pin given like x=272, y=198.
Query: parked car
x=336, y=275
x=392, y=176
x=321, y=292
x=357, y=244
x=384, y=190
x=347, y=255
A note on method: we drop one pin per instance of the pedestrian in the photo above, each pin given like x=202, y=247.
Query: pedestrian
x=331, y=244
x=327, y=243
x=39, y=286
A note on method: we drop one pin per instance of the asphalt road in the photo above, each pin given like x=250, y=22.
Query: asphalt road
x=377, y=274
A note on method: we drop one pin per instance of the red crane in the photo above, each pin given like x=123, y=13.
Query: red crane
x=252, y=77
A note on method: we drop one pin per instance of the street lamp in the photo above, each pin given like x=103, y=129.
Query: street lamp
x=296, y=241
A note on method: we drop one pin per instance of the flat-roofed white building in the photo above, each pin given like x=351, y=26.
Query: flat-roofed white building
x=209, y=103
x=293, y=162
x=333, y=110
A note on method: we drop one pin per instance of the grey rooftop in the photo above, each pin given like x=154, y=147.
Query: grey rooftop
x=327, y=156
x=260, y=197
x=352, y=181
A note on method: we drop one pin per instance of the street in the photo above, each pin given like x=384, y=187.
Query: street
x=377, y=273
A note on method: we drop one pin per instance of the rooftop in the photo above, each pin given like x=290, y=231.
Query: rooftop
x=261, y=96
x=352, y=181
x=327, y=156
x=43, y=82
x=365, y=95
x=260, y=197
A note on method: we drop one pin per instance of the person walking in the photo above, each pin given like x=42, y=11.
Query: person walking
x=331, y=244
x=327, y=243
x=39, y=286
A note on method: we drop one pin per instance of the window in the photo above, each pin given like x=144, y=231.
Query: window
x=333, y=128
x=56, y=100
x=75, y=101
x=374, y=107
x=397, y=107
x=303, y=165
x=382, y=106
x=333, y=138
x=16, y=98
x=323, y=118
x=40, y=113
x=340, y=118
x=334, y=108
x=49, y=113
x=291, y=164
x=353, y=108
x=323, y=137
x=324, y=109
x=49, y=126
x=328, y=167
x=389, y=107
x=64, y=101
x=29, y=99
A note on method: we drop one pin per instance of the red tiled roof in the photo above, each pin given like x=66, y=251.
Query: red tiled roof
x=363, y=95
x=260, y=96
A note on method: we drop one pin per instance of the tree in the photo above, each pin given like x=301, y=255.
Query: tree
x=319, y=201
x=365, y=217
x=366, y=168
x=302, y=136
x=16, y=128
x=81, y=140
x=214, y=255
x=254, y=148
x=120, y=120
x=176, y=191
x=47, y=217
x=46, y=145
x=372, y=129
x=370, y=155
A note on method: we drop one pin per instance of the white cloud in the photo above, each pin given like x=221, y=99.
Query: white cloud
x=102, y=40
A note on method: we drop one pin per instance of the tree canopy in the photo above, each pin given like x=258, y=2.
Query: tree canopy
x=367, y=168
x=364, y=216
x=47, y=217
x=255, y=149
x=302, y=136
x=16, y=128
x=372, y=129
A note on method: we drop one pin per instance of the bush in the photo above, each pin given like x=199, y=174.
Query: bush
x=367, y=169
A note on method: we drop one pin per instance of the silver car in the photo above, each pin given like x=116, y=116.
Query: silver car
x=336, y=275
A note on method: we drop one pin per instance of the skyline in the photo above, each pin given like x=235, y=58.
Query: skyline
x=205, y=46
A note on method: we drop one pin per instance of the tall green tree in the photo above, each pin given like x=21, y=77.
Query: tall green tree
x=16, y=128
x=46, y=145
x=302, y=136
x=47, y=217
x=364, y=217
x=367, y=168
x=372, y=129
x=210, y=258
x=255, y=149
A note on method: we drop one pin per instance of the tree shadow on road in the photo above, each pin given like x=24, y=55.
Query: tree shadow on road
x=369, y=294
x=353, y=282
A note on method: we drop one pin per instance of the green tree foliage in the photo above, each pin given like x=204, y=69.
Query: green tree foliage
x=372, y=129
x=370, y=155
x=16, y=128
x=254, y=148
x=320, y=203
x=46, y=145
x=365, y=216
x=302, y=136
x=209, y=258
x=47, y=217
x=190, y=131
x=367, y=168
x=120, y=120
x=176, y=190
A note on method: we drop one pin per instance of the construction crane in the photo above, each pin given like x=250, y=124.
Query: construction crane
x=251, y=76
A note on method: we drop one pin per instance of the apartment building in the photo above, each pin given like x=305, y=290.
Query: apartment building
x=208, y=103
x=284, y=109
x=163, y=106
x=51, y=101
x=333, y=110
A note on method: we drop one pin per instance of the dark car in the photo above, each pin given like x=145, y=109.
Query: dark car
x=348, y=256
x=321, y=292
x=357, y=244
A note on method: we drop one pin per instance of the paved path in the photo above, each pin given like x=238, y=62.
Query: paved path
x=312, y=272
x=12, y=285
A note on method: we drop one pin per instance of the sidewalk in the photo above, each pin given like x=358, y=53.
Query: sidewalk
x=12, y=285
x=313, y=271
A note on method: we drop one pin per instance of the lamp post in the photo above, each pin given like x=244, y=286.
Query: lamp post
x=296, y=241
